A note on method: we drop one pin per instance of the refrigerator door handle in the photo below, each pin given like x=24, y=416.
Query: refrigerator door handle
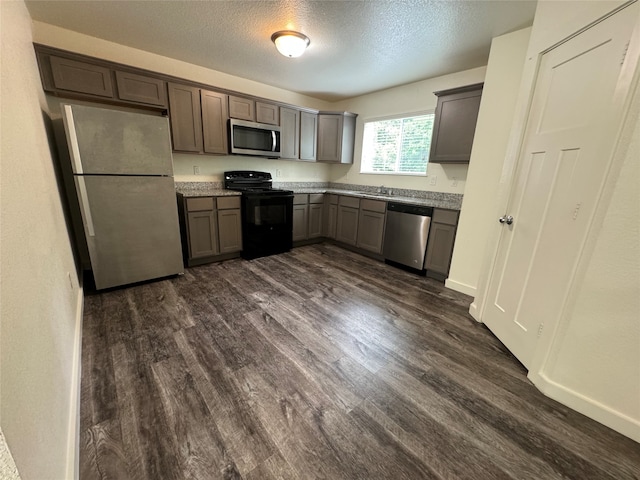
x=73, y=139
x=84, y=205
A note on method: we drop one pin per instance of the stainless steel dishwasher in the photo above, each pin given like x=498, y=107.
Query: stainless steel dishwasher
x=406, y=234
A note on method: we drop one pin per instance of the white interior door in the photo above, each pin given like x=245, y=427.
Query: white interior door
x=564, y=158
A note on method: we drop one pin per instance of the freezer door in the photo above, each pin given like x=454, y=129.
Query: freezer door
x=103, y=141
x=131, y=225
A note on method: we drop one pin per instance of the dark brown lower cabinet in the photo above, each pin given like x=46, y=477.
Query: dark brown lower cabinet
x=300, y=222
x=211, y=228
x=371, y=221
x=201, y=227
x=442, y=235
x=316, y=211
x=347, y=225
x=330, y=215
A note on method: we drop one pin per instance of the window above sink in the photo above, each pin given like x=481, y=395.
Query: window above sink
x=397, y=145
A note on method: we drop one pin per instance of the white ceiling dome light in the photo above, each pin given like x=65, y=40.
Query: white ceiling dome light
x=289, y=43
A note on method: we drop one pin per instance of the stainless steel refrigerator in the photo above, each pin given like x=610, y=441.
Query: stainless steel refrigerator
x=123, y=174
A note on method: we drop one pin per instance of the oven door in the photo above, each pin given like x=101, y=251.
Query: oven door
x=267, y=224
x=249, y=138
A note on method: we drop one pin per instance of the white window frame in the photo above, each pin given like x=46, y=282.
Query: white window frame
x=394, y=117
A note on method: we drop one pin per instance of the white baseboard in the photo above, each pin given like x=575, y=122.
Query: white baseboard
x=460, y=287
x=613, y=419
x=474, y=312
x=73, y=442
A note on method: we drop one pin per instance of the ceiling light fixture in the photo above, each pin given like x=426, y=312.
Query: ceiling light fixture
x=289, y=43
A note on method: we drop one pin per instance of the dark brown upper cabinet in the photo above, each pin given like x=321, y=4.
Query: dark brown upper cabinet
x=455, y=124
x=336, y=137
x=141, y=89
x=186, y=118
x=214, y=122
x=81, y=77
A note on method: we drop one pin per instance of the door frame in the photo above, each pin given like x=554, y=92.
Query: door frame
x=628, y=94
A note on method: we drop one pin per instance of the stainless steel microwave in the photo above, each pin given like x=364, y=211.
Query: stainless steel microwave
x=250, y=138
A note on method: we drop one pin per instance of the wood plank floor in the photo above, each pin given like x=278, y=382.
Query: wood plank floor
x=317, y=363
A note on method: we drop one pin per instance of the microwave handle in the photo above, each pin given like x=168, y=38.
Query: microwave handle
x=273, y=141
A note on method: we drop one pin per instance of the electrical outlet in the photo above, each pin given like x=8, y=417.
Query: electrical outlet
x=278, y=173
x=196, y=170
x=454, y=182
x=433, y=180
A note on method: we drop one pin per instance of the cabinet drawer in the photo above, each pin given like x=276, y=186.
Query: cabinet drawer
x=448, y=217
x=226, y=203
x=199, y=204
x=333, y=199
x=316, y=198
x=352, y=202
x=373, y=205
x=300, y=199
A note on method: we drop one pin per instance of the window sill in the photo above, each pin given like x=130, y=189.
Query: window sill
x=406, y=174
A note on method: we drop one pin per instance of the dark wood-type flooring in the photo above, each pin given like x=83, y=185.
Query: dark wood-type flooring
x=318, y=363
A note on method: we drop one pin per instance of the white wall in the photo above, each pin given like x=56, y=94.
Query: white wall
x=415, y=97
x=495, y=119
x=40, y=305
x=211, y=166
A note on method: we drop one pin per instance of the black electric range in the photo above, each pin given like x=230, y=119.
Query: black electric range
x=267, y=213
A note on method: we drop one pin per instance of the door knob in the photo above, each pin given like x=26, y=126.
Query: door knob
x=508, y=219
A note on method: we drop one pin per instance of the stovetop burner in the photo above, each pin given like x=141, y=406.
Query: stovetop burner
x=249, y=181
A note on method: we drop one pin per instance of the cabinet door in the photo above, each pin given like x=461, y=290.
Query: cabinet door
x=454, y=126
x=289, y=133
x=370, y=231
x=332, y=218
x=202, y=230
x=308, y=136
x=440, y=247
x=81, y=77
x=347, y=227
x=267, y=113
x=186, y=118
x=329, y=138
x=214, y=122
x=300, y=220
x=230, y=228
x=141, y=89
x=315, y=220
x=242, y=108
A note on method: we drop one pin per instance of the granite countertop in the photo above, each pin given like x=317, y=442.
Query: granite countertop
x=413, y=197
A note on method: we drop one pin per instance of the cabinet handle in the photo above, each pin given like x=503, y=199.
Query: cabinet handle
x=508, y=219
x=72, y=139
x=84, y=204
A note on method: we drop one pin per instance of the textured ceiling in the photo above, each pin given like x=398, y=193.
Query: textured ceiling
x=356, y=47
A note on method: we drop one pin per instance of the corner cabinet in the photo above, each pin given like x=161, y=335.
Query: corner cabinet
x=455, y=124
x=336, y=137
